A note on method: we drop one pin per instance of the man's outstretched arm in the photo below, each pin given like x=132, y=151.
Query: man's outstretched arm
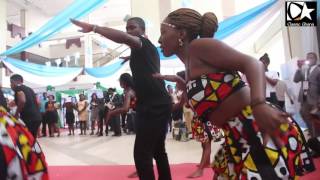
x=117, y=36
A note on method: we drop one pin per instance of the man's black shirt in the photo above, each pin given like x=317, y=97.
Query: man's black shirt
x=30, y=111
x=143, y=63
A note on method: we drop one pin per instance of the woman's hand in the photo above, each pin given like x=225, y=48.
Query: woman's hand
x=172, y=78
x=86, y=27
x=180, y=83
x=125, y=59
x=269, y=120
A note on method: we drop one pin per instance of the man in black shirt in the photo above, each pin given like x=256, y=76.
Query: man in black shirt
x=154, y=103
x=27, y=105
x=114, y=99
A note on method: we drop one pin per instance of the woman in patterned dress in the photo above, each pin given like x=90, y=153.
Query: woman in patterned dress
x=261, y=141
x=20, y=154
x=203, y=133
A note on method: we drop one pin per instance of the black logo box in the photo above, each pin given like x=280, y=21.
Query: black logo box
x=292, y=20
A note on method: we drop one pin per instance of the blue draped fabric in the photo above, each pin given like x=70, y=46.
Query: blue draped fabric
x=104, y=71
x=162, y=57
x=232, y=24
x=41, y=70
x=77, y=9
x=82, y=7
x=50, y=71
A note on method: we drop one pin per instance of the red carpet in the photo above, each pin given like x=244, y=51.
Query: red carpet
x=314, y=175
x=179, y=172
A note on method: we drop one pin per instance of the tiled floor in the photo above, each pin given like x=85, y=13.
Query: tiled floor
x=108, y=150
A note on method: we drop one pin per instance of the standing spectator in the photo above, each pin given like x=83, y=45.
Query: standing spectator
x=75, y=111
x=26, y=101
x=70, y=106
x=114, y=102
x=103, y=110
x=82, y=114
x=61, y=113
x=188, y=115
x=101, y=115
x=187, y=112
x=175, y=114
x=271, y=80
x=94, y=112
x=308, y=73
x=43, y=102
x=281, y=91
x=51, y=116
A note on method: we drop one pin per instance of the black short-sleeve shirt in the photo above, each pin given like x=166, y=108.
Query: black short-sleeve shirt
x=143, y=63
x=30, y=111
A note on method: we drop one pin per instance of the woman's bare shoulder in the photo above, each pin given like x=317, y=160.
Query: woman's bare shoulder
x=204, y=41
x=205, y=44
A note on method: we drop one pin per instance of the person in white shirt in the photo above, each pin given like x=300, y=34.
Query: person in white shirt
x=281, y=91
x=271, y=80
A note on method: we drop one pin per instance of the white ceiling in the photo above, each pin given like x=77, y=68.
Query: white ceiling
x=111, y=12
x=47, y=7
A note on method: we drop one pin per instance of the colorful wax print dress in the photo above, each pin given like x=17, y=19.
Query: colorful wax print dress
x=20, y=154
x=205, y=131
x=243, y=155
